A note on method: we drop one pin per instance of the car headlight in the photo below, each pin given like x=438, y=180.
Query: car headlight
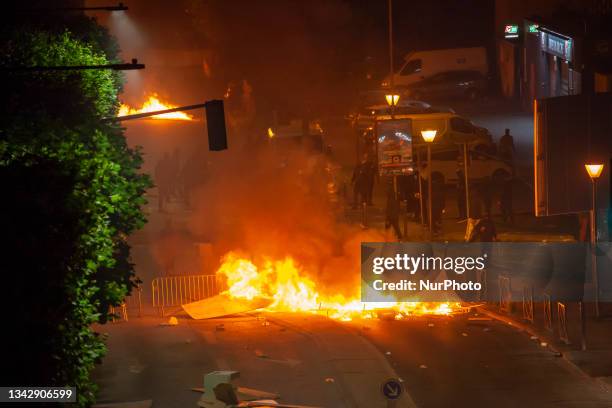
x=384, y=84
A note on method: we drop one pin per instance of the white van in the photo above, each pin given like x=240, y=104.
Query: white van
x=420, y=65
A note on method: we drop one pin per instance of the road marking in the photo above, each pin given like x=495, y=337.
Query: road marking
x=290, y=362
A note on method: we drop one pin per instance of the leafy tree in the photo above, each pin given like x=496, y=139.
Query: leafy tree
x=72, y=195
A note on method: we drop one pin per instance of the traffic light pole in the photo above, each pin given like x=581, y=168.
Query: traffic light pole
x=154, y=113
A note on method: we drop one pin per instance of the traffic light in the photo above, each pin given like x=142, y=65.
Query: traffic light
x=215, y=122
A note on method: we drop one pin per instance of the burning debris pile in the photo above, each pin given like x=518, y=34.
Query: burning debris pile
x=282, y=286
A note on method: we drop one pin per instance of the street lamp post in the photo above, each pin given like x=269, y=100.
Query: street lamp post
x=466, y=179
x=392, y=99
x=594, y=171
x=428, y=137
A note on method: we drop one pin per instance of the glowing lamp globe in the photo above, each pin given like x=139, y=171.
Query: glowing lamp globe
x=594, y=170
x=392, y=99
x=429, y=135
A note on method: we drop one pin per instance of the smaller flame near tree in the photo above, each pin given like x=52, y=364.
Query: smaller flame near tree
x=152, y=104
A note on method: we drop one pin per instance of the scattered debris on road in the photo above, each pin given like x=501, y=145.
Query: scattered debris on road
x=223, y=305
x=172, y=321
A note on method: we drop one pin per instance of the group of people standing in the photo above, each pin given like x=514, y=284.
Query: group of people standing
x=407, y=189
x=363, y=178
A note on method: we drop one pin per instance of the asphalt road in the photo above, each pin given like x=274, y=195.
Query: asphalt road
x=147, y=360
x=452, y=362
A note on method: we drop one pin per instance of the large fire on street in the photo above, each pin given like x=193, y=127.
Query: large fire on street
x=285, y=285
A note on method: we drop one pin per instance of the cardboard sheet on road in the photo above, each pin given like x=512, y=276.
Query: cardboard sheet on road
x=223, y=305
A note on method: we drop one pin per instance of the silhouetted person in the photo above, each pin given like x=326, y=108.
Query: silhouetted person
x=392, y=213
x=506, y=146
x=174, y=166
x=438, y=203
x=360, y=183
x=461, y=203
x=163, y=180
x=370, y=176
x=486, y=194
x=408, y=187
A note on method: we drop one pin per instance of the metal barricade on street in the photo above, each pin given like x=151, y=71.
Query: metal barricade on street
x=548, y=316
x=174, y=291
x=131, y=302
x=505, y=294
x=562, y=322
x=528, y=307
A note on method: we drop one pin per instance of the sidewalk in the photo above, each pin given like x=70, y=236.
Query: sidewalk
x=595, y=362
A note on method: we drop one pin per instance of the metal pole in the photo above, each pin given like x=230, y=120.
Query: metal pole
x=154, y=113
x=117, y=67
x=594, y=247
x=420, y=187
x=466, y=181
x=583, y=342
x=429, y=193
x=390, y=2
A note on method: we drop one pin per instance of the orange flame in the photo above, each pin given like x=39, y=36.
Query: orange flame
x=153, y=104
x=284, y=283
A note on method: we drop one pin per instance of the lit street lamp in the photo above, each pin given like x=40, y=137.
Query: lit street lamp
x=428, y=137
x=594, y=171
x=392, y=99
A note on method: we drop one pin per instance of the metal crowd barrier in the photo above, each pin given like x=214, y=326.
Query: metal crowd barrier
x=122, y=315
x=548, y=316
x=174, y=291
x=528, y=308
x=133, y=301
x=562, y=322
x=505, y=294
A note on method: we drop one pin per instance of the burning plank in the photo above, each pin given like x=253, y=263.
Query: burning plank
x=223, y=305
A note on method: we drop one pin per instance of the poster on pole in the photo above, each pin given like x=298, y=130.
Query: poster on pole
x=394, y=147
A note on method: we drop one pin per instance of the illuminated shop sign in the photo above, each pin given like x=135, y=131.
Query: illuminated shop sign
x=511, y=31
x=555, y=45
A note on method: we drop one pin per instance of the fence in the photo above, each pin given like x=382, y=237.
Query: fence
x=131, y=302
x=174, y=291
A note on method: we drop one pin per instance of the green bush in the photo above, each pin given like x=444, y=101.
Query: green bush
x=73, y=195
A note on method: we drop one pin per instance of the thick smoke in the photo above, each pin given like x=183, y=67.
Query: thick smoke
x=273, y=202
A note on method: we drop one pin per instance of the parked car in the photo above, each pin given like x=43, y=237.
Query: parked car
x=447, y=85
x=481, y=166
x=453, y=131
x=365, y=116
